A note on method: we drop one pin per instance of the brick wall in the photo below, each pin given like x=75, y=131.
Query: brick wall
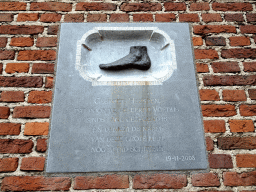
x=225, y=52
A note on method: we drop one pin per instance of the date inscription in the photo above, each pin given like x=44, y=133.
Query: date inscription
x=181, y=158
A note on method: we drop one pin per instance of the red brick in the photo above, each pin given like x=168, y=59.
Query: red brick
x=251, y=17
x=22, y=41
x=206, y=54
x=17, y=67
x=51, y=6
x=32, y=112
x=43, y=68
x=49, y=82
x=246, y=160
x=3, y=41
x=189, y=17
x=33, y=55
x=12, y=96
x=46, y=42
x=143, y=17
x=232, y=6
x=238, y=17
x=252, y=94
x=40, y=97
x=239, y=179
x=211, y=17
x=199, y=7
x=96, y=18
x=13, y=6
x=6, y=17
x=50, y=17
x=165, y=17
x=174, y=6
x=53, y=30
x=206, y=29
x=4, y=112
x=159, y=181
x=74, y=18
x=215, y=41
x=117, y=17
x=1, y=68
x=135, y=7
x=16, y=146
x=234, y=95
x=7, y=54
x=23, y=29
x=230, y=143
x=8, y=164
x=209, y=144
x=197, y=41
x=205, y=180
x=209, y=95
x=28, y=17
x=32, y=164
x=202, y=68
x=220, y=161
x=105, y=182
x=36, y=128
x=249, y=66
x=35, y=183
x=214, y=126
x=41, y=145
x=10, y=129
x=239, y=41
x=91, y=6
x=218, y=110
x=225, y=67
x=247, y=110
x=248, y=29
x=21, y=81
x=233, y=80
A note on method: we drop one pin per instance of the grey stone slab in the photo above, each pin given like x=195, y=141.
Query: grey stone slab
x=128, y=120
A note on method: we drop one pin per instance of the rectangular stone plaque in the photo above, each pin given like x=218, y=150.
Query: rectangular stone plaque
x=130, y=119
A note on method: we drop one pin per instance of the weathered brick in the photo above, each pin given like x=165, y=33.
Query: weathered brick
x=197, y=41
x=209, y=95
x=233, y=80
x=35, y=183
x=232, y=6
x=211, y=17
x=239, y=179
x=220, y=161
x=205, y=180
x=143, y=17
x=189, y=17
x=8, y=164
x=209, y=144
x=248, y=29
x=36, y=128
x=4, y=112
x=206, y=29
x=241, y=125
x=41, y=145
x=225, y=67
x=206, y=54
x=50, y=17
x=218, y=110
x=3, y=41
x=53, y=30
x=33, y=55
x=49, y=82
x=32, y=112
x=1, y=68
x=6, y=17
x=7, y=54
x=119, y=17
x=202, y=68
x=17, y=67
x=135, y=7
x=28, y=17
x=165, y=17
x=12, y=96
x=96, y=18
x=10, y=129
x=214, y=126
x=252, y=94
x=21, y=81
x=51, y=6
x=43, y=68
x=159, y=181
x=174, y=6
x=93, y=6
x=40, y=97
x=74, y=18
x=247, y=110
x=105, y=182
x=46, y=42
x=13, y=6
x=199, y=7
x=215, y=41
x=16, y=146
x=239, y=41
x=234, y=95
x=230, y=143
x=238, y=17
x=246, y=160
x=249, y=66
x=251, y=17
x=32, y=164
x=22, y=41
x=21, y=29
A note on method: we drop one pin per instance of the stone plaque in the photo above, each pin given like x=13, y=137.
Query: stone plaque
x=141, y=114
